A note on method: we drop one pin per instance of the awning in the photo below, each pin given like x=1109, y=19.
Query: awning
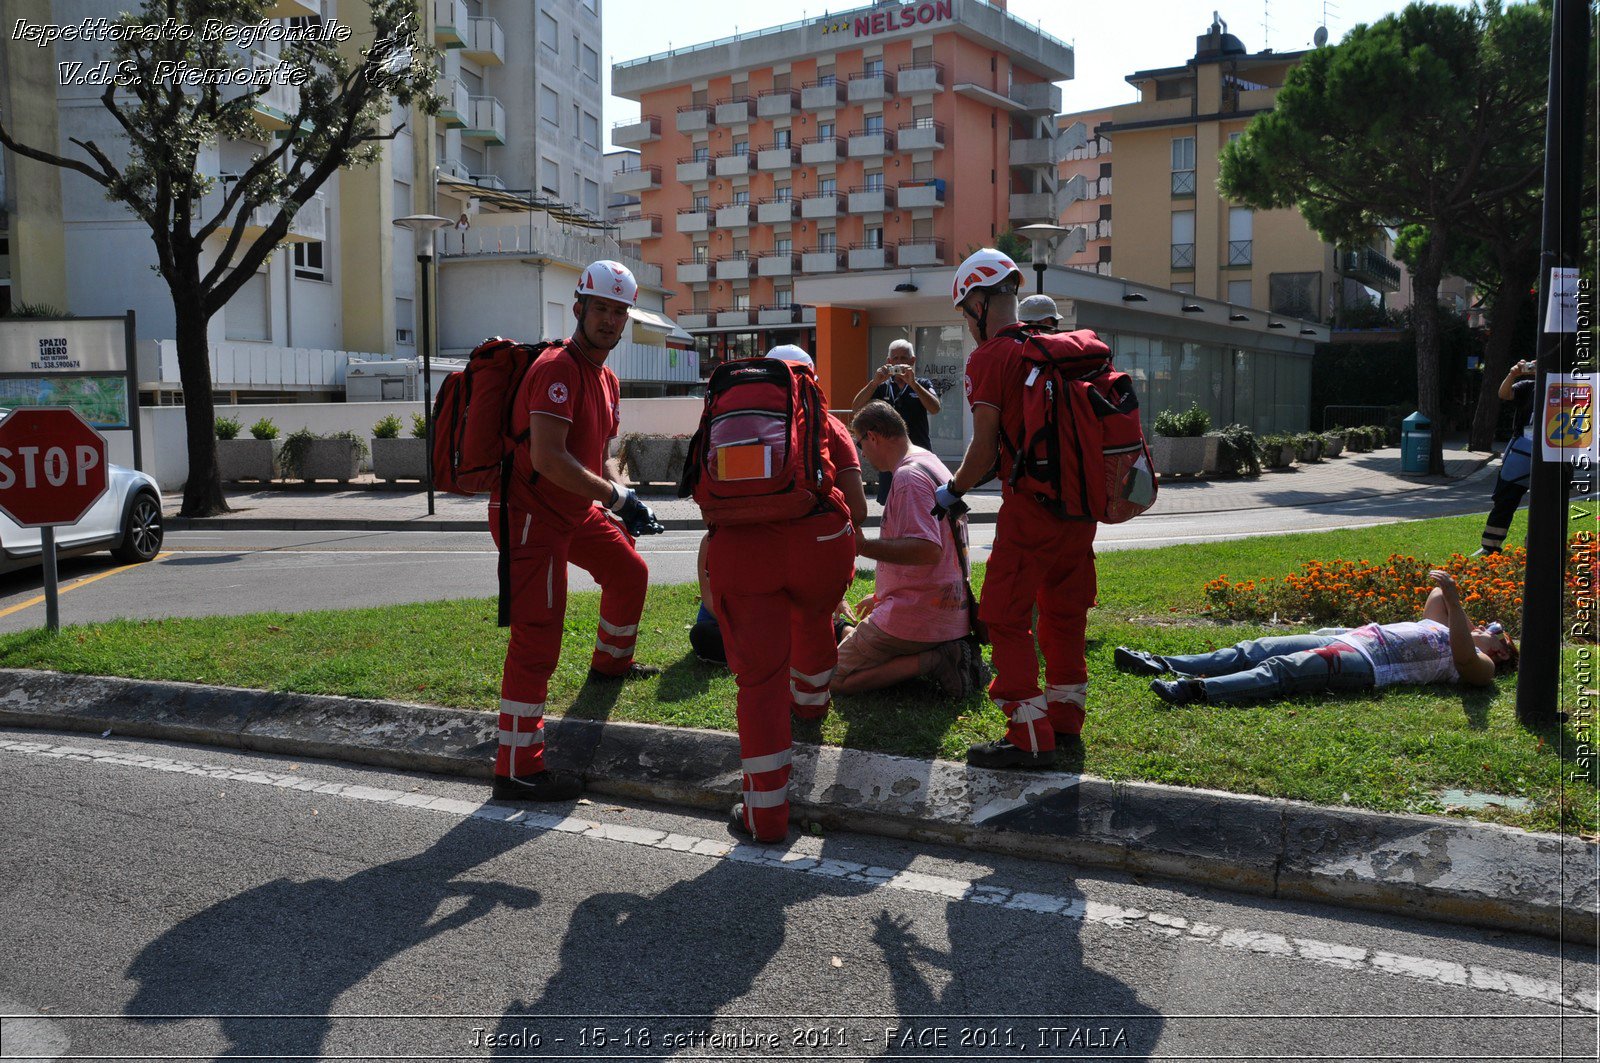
x=657, y=322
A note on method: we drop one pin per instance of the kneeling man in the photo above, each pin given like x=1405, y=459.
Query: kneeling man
x=916, y=621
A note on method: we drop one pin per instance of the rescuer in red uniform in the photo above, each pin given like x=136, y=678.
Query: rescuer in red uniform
x=570, y=404
x=1038, y=559
x=776, y=586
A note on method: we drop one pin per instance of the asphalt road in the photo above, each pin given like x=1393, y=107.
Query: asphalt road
x=165, y=901
x=220, y=572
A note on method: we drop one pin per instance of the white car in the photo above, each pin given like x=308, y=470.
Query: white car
x=126, y=520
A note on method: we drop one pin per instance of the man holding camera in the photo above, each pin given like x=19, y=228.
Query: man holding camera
x=1517, y=463
x=896, y=383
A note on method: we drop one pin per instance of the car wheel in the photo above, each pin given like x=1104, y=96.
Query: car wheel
x=141, y=530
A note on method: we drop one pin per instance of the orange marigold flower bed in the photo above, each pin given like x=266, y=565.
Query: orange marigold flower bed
x=1342, y=593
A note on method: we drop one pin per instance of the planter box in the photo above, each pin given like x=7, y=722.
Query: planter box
x=1185, y=455
x=655, y=459
x=1308, y=452
x=400, y=459
x=1280, y=458
x=247, y=459
x=1332, y=448
x=331, y=459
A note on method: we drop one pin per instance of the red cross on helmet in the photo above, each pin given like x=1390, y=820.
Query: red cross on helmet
x=984, y=268
x=609, y=280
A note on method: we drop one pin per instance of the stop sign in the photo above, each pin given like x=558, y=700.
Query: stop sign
x=52, y=466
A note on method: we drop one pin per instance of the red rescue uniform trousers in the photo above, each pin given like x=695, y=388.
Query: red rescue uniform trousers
x=539, y=556
x=1039, y=560
x=775, y=588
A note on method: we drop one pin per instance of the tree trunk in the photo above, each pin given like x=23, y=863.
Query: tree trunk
x=1425, y=316
x=1509, y=299
x=202, y=493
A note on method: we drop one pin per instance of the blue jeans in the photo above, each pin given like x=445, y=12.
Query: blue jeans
x=1274, y=667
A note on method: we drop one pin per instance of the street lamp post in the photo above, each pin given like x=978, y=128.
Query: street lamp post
x=1043, y=238
x=423, y=227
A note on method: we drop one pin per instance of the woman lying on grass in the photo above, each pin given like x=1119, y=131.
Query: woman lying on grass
x=1442, y=647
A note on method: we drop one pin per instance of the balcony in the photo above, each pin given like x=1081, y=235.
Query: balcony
x=870, y=143
x=1039, y=97
x=733, y=164
x=695, y=319
x=637, y=179
x=691, y=170
x=638, y=131
x=733, y=268
x=1033, y=206
x=1040, y=151
x=821, y=150
x=309, y=225
x=694, y=118
x=737, y=317
x=915, y=252
x=777, y=264
x=735, y=110
x=691, y=271
x=486, y=42
x=913, y=194
x=644, y=227
x=772, y=158
x=870, y=88
x=452, y=26
x=457, y=104
x=777, y=103
x=921, y=135
x=734, y=216
x=487, y=180
x=779, y=315
x=820, y=205
x=694, y=221
x=776, y=211
x=571, y=247
x=293, y=9
x=869, y=256
x=486, y=120
x=868, y=200
x=820, y=260
x=824, y=95
x=1371, y=267
x=273, y=109
x=913, y=78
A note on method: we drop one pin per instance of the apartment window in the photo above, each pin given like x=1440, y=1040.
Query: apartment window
x=1240, y=222
x=1104, y=254
x=827, y=184
x=402, y=199
x=249, y=312
x=701, y=252
x=874, y=181
x=701, y=153
x=922, y=171
x=824, y=129
x=782, y=245
x=549, y=177
x=872, y=68
x=922, y=229
x=308, y=262
x=783, y=296
x=1105, y=212
x=874, y=236
x=576, y=123
x=698, y=98
x=872, y=123
x=550, y=105
x=741, y=300
x=702, y=202
x=827, y=240
x=780, y=138
x=1239, y=293
x=826, y=78
x=575, y=52
x=922, y=54
x=1183, y=239
x=783, y=193
x=741, y=198
x=591, y=130
x=591, y=197
x=405, y=322
x=591, y=62
x=1295, y=295
x=1183, y=166
x=741, y=147
x=549, y=32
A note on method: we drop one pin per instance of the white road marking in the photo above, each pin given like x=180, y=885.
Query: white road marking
x=1159, y=924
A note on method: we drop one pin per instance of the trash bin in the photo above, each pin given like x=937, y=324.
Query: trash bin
x=1416, y=440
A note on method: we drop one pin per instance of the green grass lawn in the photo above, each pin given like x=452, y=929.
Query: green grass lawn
x=1393, y=750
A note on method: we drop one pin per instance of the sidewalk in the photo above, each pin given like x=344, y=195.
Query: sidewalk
x=365, y=505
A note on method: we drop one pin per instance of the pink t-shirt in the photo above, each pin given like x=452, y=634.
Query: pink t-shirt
x=920, y=603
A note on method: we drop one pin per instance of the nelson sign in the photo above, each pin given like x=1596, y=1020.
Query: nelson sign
x=895, y=18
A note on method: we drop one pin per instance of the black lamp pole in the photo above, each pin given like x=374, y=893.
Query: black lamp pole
x=425, y=260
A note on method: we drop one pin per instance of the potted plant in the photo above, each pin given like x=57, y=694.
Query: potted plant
x=1237, y=453
x=1307, y=447
x=1333, y=443
x=1180, y=446
x=654, y=459
x=1277, y=450
x=308, y=456
x=246, y=459
x=394, y=458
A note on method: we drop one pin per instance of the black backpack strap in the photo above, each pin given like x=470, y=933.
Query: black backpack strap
x=504, y=617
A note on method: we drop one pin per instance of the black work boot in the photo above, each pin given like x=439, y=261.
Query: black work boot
x=1138, y=662
x=1003, y=754
x=1178, y=691
x=540, y=786
x=635, y=671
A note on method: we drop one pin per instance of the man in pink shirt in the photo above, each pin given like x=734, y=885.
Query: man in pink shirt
x=916, y=621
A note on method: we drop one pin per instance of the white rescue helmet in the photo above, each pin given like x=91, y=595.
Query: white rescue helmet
x=984, y=268
x=788, y=352
x=609, y=280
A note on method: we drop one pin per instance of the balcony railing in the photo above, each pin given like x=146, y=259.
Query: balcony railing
x=733, y=164
x=1030, y=205
x=871, y=200
x=452, y=26
x=1239, y=252
x=1183, y=183
x=644, y=227
x=778, y=264
x=820, y=260
x=774, y=211
x=636, y=179
x=924, y=193
x=919, y=252
x=486, y=43
x=735, y=317
x=693, y=271
x=913, y=78
x=693, y=169
x=820, y=205
x=1183, y=256
x=776, y=157
x=922, y=135
x=734, y=267
x=733, y=216
x=457, y=103
x=870, y=256
x=694, y=118
x=560, y=245
x=870, y=88
x=823, y=95
x=821, y=149
x=777, y=103
x=735, y=110
x=1040, y=151
x=870, y=143
x=1040, y=97
x=1371, y=267
x=780, y=314
x=486, y=120
x=636, y=131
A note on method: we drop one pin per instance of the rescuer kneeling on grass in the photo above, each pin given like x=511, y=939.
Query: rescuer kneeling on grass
x=1443, y=647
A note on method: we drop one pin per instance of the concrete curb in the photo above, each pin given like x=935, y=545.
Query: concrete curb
x=1420, y=866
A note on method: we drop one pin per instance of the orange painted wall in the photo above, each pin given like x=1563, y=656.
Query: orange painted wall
x=841, y=353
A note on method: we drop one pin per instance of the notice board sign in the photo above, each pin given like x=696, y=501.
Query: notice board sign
x=86, y=364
